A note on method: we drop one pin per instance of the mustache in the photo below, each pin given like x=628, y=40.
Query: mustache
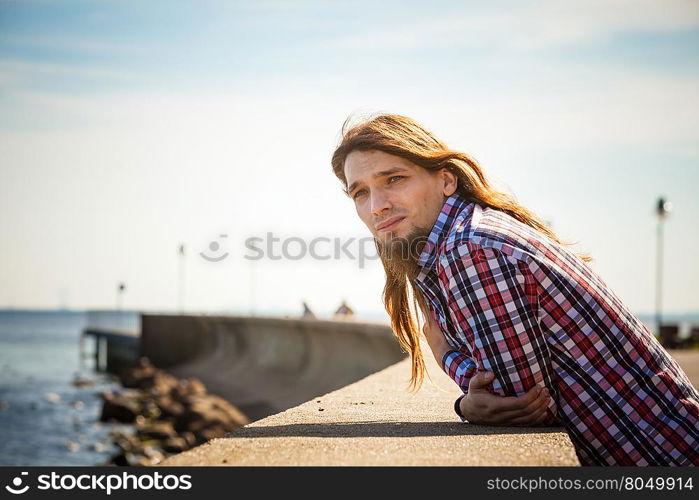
x=379, y=223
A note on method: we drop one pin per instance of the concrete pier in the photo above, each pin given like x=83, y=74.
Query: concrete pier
x=333, y=393
x=375, y=422
x=115, y=350
x=266, y=365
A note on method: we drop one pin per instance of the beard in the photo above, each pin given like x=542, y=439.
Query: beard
x=399, y=255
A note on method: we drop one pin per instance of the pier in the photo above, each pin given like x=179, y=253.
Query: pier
x=326, y=393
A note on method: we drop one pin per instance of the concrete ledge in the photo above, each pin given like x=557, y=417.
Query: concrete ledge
x=376, y=422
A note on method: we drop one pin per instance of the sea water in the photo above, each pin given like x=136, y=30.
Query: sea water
x=44, y=418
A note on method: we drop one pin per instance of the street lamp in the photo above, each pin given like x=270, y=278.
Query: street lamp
x=181, y=279
x=662, y=210
x=121, y=288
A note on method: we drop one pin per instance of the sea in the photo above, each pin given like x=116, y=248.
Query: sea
x=45, y=420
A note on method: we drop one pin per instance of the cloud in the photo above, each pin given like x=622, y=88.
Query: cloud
x=24, y=72
x=72, y=43
x=528, y=26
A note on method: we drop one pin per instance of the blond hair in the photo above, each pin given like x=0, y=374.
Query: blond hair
x=404, y=137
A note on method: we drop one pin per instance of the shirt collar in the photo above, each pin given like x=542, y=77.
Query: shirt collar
x=453, y=206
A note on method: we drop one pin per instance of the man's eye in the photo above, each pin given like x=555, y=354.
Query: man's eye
x=391, y=181
x=357, y=194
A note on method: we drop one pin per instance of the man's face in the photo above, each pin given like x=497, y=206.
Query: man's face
x=394, y=197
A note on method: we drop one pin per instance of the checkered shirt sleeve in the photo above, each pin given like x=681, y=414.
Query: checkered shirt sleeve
x=494, y=298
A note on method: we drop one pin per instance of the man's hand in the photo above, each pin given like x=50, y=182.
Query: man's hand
x=482, y=407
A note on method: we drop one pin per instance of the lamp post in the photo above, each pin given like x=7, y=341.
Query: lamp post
x=662, y=210
x=121, y=288
x=180, y=280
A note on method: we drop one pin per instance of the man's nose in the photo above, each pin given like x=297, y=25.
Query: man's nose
x=379, y=203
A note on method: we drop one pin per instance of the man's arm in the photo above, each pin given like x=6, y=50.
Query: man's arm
x=478, y=405
x=456, y=364
x=493, y=297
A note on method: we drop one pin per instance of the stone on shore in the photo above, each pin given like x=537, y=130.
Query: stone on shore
x=170, y=415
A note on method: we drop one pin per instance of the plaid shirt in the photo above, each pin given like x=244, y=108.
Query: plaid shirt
x=510, y=300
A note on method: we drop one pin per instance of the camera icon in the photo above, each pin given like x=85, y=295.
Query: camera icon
x=17, y=483
x=214, y=247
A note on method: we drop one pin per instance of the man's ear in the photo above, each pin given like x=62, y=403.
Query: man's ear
x=450, y=182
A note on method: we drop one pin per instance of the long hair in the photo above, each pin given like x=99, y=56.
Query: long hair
x=404, y=137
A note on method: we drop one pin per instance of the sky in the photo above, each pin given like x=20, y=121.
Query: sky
x=130, y=128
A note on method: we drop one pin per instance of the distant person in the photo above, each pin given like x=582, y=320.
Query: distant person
x=307, y=313
x=531, y=334
x=344, y=311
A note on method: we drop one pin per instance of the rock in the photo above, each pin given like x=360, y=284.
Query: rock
x=202, y=412
x=82, y=382
x=135, y=459
x=163, y=383
x=168, y=407
x=120, y=460
x=150, y=460
x=146, y=377
x=189, y=438
x=237, y=418
x=156, y=430
x=188, y=387
x=169, y=415
x=150, y=410
x=52, y=397
x=187, y=419
x=119, y=409
x=213, y=432
x=140, y=376
x=174, y=445
x=130, y=444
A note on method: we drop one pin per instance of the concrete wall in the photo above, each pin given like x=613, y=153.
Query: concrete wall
x=266, y=365
x=375, y=421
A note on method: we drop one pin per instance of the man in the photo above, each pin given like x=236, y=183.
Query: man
x=525, y=327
